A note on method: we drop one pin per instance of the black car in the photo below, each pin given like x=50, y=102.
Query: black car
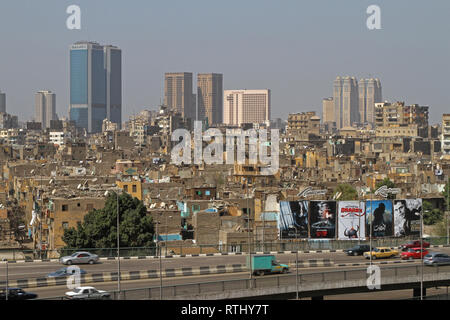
x=357, y=250
x=17, y=294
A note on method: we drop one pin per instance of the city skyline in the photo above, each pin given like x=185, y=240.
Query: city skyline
x=296, y=66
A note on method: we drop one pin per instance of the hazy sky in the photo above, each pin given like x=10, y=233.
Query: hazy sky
x=295, y=48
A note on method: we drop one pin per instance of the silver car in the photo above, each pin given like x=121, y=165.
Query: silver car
x=436, y=258
x=87, y=293
x=79, y=257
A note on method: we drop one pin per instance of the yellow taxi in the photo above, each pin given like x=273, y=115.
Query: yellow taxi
x=381, y=252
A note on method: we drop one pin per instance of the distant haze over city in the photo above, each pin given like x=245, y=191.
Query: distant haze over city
x=294, y=48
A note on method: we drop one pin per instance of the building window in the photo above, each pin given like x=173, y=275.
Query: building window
x=65, y=207
x=134, y=188
x=125, y=188
x=89, y=206
x=65, y=225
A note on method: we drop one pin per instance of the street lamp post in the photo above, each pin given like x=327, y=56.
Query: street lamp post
x=118, y=240
x=371, y=227
x=421, y=245
x=448, y=208
x=160, y=260
x=248, y=233
x=118, y=246
x=165, y=242
x=296, y=263
x=7, y=285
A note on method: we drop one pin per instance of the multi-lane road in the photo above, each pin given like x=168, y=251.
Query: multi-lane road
x=41, y=269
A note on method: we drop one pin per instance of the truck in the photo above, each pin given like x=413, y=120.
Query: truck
x=262, y=264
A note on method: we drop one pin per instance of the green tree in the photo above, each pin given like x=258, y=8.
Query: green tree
x=348, y=192
x=440, y=229
x=431, y=216
x=99, y=226
x=386, y=182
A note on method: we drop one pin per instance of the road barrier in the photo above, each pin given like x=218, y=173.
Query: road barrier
x=152, y=274
x=126, y=275
x=183, y=249
x=208, y=254
x=310, y=285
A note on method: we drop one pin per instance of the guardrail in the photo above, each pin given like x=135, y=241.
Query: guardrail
x=281, y=284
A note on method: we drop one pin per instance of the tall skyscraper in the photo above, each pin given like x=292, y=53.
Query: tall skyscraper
x=345, y=95
x=95, y=85
x=369, y=94
x=446, y=134
x=45, y=104
x=210, y=97
x=328, y=110
x=178, y=94
x=2, y=102
x=246, y=106
x=113, y=62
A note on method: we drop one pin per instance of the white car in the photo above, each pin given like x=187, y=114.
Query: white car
x=87, y=293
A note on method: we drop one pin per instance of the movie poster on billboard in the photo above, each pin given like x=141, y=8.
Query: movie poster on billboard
x=407, y=217
x=293, y=219
x=380, y=213
x=351, y=220
x=322, y=219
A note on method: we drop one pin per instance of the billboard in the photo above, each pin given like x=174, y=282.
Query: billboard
x=293, y=219
x=407, y=217
x=379, y=218
x=322, y=219
x=351, y=220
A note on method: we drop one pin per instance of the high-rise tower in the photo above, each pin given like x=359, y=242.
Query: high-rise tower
x=178, y=94
x=45, y=104
x=95, y=85
x=345, y=96
x=2, y=102
x=369, y=94
x=210, y=97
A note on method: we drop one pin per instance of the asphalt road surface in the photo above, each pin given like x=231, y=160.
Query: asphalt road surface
x=29, y=270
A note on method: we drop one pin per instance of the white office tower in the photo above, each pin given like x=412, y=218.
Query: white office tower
x=246, y=106
x=45, y=103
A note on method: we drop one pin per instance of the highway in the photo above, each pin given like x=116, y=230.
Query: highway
x=308, y=275
x=41, y=269
x=26, y=270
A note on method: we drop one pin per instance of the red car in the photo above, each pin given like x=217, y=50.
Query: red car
x=414, y=244
x=413, y=253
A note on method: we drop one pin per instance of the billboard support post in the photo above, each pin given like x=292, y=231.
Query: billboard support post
x=448, y=207
x=370, y=233
x=296, y=264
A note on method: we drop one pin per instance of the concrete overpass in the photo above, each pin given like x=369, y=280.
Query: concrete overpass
x=314, y=284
